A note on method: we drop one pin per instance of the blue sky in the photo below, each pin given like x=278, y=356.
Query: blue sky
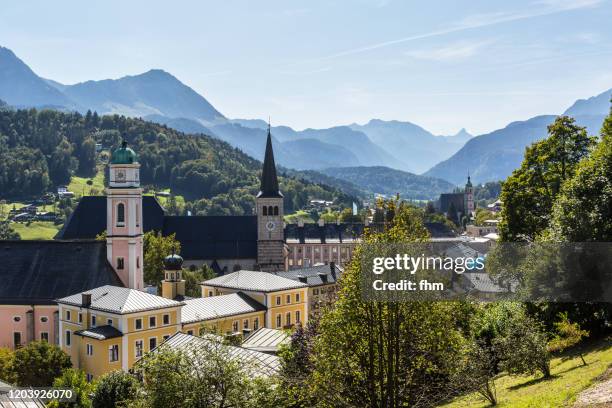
x=442, y=64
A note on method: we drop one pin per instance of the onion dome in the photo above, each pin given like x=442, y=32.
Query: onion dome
x=124, y=155
x=173, y=262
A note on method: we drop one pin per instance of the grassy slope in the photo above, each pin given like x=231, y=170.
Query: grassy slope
x=36, y=230
x=569, y=378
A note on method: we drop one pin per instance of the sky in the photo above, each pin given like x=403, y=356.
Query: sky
x=443, y=64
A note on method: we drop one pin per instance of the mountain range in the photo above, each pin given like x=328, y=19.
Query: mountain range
x=158, y=96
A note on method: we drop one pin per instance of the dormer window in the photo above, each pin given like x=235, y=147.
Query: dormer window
x=120, y=215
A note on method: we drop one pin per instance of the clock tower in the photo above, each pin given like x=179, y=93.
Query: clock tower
x=270, y=224
x=124, y=246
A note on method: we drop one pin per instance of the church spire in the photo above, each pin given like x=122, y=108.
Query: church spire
x=269, y=181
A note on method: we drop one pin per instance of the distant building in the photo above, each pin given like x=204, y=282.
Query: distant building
x=460, y=204
x=495, y=207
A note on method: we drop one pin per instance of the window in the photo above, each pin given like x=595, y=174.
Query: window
x=278, y=301
x=138, y=262
x=278, y=320
x=288, y=298
x=288, y=319
x=17, y=339
x=44, y=319
x=152, y=321
x=166, y=337
x=137, y=216
x=315, y=292
x=190, y=332
x=80, y=317
x=270, y=210
x=210, y=293
x=297, y=298
x=93, y=320
x=138, y=324
x=256, y=323
x=120, y=263
x=139, y=347
x=152, y=343
x=297, y=316
x=265, y=210
x=166, y=319
x=245, y=323
x=109, y=322
x=89, y=377
x=44, y=336
x=113, y=353
x=17, y=319
x=89, y=349
x=68, y=315
x=68, y=339
x=275, y=210
x=120, y=215
x=235, y=326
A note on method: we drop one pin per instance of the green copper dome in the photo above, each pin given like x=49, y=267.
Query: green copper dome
x=124, y=155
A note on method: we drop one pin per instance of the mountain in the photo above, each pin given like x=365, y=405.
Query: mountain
x=155, y=92
x=416, y=148
x=408, y=185
x=20, y=86
x=493, y=156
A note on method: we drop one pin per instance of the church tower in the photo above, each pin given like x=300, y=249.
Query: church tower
x=124, y=217
x=469, y=198
x=270, y=227
x=173, y=285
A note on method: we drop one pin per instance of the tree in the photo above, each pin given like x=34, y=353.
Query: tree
x=38, y=364
x=6, y=232
x=206, y=376
x=156, y=248
x=482, y=215
x=87, y=157
x=115, y=389
x=480, y=371
x=77, y=381
x=6, y=359
x=194, y=278
x=380, y=353
x=568, y=335
x=529, y=193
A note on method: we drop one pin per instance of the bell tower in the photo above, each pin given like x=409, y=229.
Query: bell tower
x=270, y=224
x=173, y=285
x=469, y=198
x=124, y=246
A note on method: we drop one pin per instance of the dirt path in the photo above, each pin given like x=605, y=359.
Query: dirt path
x=599, y=395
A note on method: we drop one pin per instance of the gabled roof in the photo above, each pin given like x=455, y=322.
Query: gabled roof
x=315, y=275
x=119, y=300
x=255, y=363
x=253, y=281
x=38, y=272
x=88, y=219
x=214, y=307
x=214, y=237
x=266, y=340
x=100, y=332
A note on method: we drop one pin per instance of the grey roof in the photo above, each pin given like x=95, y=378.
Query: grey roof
x=256, y=363
x=38, y=272
x=253, y=281
x=269, y=181
x=114, y=299
x=200, y=309
x=266, y=340
x=315, y=275
x=100, y=333
x=5, y=402
x=482, y=282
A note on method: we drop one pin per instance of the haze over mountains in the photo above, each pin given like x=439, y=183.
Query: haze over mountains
x=158, y=96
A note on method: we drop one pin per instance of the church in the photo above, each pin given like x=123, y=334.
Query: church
x=226, y=243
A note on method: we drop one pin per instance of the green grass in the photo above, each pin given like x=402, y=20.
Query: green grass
x=36, y=230
x=79, y=186
x=569, y=378
x=300, y=214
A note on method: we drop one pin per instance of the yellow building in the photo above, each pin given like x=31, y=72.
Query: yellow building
x=110, y=327
x=285, y=300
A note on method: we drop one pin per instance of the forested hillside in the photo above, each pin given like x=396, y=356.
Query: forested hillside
x=40, y=150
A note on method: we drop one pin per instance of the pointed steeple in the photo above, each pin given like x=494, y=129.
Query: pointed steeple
x=269, y=181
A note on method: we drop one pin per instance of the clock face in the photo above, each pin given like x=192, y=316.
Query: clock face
x=270, y=226
x=120, y=175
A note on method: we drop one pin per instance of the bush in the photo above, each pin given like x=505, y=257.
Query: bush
x=115, y=389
